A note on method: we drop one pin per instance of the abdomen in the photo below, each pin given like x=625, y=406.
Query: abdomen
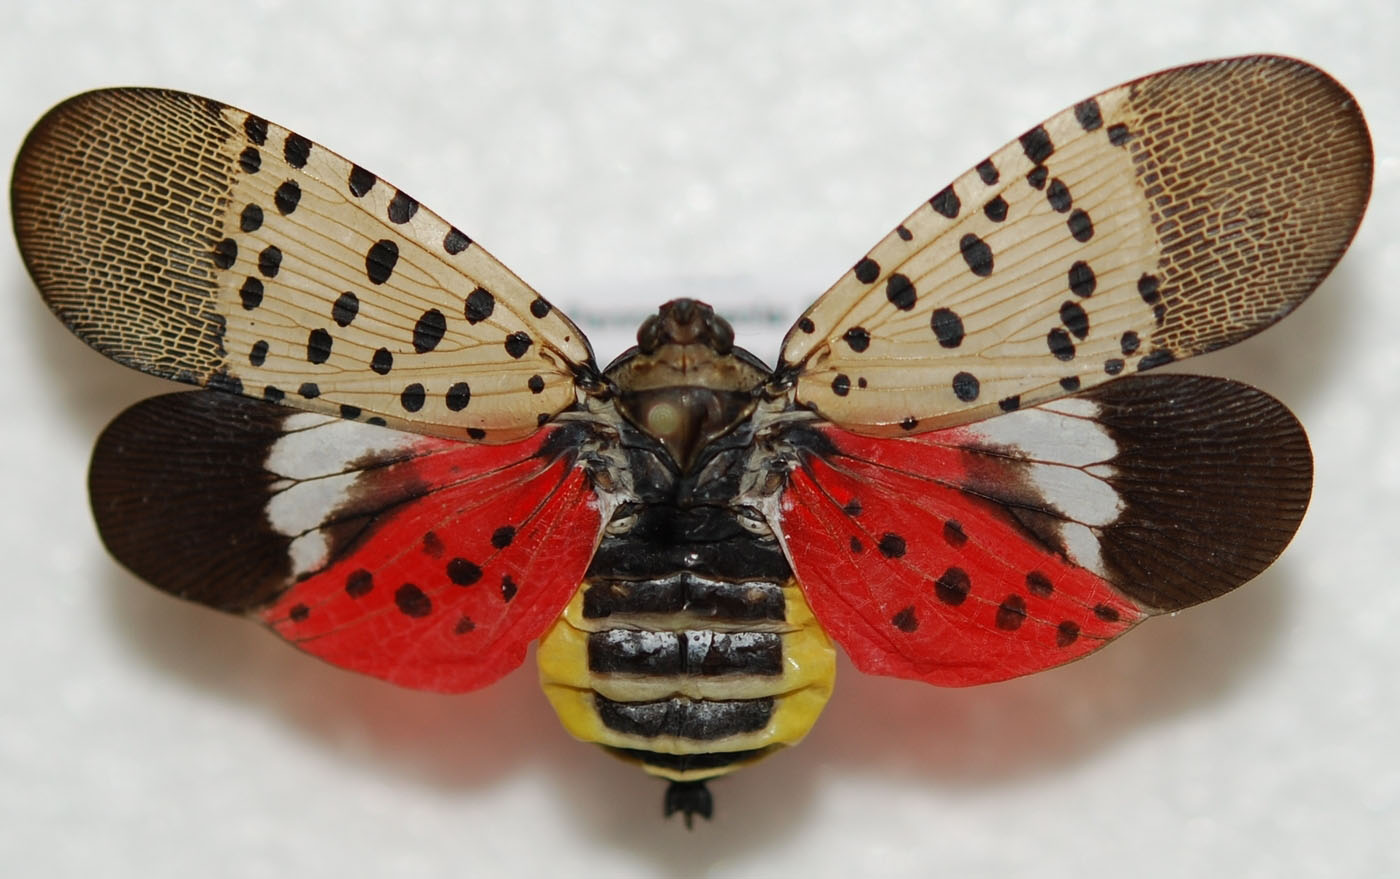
x=687, y=672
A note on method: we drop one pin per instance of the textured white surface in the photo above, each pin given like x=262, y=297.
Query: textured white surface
x=616, y=155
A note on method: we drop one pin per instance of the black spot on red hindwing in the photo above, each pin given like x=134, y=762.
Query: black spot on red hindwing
x=462, y=572
x=899, y=290
x=346, y=306
x=892, y=546
x=867, y=271
x=1106, y=613
x=954, y=535
x=503, y=536
x=946, y=202
x=1066, y=633
x=1011, y=613
x=1039, y=584
x=976, y=254
x=852, y=507
x=383, y=255
x=402, y=207
x=952, y=588
x=905, y=620
x=463, y=625
x=411, y=601
x=508, y=588
x=359, y=583
x=428, y=331
x=856, y=546
x=432, y=544
x=298, y=613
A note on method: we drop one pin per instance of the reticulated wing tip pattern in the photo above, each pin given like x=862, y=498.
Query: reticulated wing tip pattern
x=201, y=243
x=1164, y=218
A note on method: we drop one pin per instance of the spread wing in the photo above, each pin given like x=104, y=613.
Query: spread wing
x=986, y=551
x=1170, y=216
x=424, y=561
x=201, y=243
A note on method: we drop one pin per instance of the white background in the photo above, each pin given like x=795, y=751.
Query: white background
x=617, y=155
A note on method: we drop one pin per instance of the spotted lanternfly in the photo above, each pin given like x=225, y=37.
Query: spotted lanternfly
x=408, y=463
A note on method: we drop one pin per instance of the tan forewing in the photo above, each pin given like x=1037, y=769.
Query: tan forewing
x=201, y=243
x=1170, y=216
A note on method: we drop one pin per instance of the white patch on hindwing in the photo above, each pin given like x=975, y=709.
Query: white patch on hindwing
x=318, y=460
x=1064, y=455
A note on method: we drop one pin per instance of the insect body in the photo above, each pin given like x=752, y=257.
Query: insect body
x=408, y=463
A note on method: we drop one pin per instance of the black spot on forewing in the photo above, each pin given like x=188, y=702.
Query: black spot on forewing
x=946, y=203
x=479, y=306
x=947, y=326
x=976, y=254
x=318, y=346
x=428, y=331
x=383, y=255
x=296, y=150
x=1036, y=144
x=1088, y=115
x=402, y=207
x=256, y=129
x=966, y=387
x=518, y=343
x=867, y=271
x=346, y=306
x=287, y=197
x=454, y=242
x=361, y=181
x=857, y=338
x=899, y=290
x=458, y=396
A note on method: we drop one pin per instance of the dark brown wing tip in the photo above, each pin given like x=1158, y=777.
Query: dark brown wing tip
x=1215, y=477
x=1258, y=170
x=115, y=204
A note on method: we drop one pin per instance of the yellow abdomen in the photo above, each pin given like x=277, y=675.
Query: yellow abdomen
x=690, y=677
